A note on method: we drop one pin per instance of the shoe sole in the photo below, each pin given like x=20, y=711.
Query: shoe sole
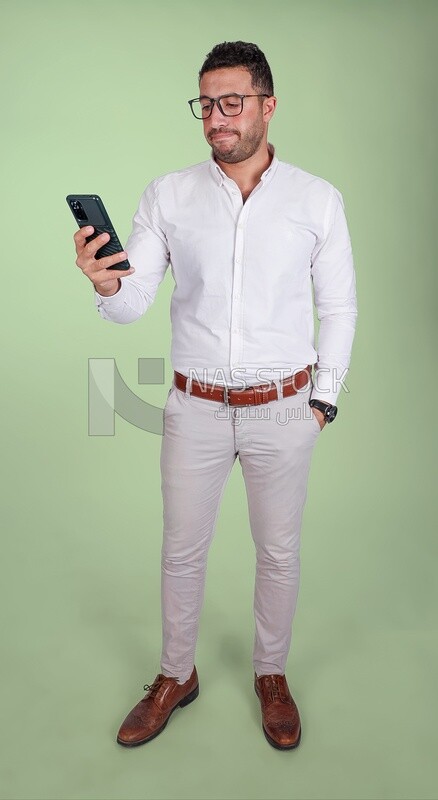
x=184, y=702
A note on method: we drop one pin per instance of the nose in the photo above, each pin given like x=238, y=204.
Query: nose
x=216, y=118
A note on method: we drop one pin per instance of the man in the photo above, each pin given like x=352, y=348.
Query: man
x=247, y=236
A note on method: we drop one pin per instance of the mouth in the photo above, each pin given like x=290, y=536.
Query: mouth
x=221, y=135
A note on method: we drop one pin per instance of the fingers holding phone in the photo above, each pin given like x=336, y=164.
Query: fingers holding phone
x=98, y=270
x=99, y=252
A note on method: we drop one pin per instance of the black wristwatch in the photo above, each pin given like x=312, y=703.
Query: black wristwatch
x=328, y=410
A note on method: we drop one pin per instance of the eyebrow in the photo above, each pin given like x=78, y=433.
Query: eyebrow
x=207, y=97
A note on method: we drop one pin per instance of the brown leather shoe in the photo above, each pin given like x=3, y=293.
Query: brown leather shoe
x=281, y=720
x=151, y=715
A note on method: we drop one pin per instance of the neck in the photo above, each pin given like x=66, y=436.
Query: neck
x=247, y=173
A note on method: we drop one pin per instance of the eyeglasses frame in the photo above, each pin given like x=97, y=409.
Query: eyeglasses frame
x=217, y=100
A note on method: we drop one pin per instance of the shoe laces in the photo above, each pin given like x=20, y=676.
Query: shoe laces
x=154, y=687
x=275, y=689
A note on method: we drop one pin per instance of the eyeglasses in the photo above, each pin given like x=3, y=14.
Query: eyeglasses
x=230, y=105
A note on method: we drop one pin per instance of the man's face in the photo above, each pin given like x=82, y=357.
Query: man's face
x=233, y=139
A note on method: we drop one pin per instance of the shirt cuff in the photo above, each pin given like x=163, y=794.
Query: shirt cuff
x=114, y=301
x=327, y=384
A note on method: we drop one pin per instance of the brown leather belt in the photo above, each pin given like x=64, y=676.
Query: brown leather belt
x=252, y=396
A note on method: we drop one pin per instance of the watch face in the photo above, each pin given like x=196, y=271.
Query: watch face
x=331, y=413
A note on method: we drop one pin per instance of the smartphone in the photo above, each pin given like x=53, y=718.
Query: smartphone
x=88, y=209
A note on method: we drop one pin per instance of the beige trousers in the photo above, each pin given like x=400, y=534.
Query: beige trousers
x=202, y=439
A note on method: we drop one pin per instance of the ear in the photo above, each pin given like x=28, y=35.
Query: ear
x=269, y=106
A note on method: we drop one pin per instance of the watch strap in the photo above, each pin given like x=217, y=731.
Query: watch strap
x=327, y=409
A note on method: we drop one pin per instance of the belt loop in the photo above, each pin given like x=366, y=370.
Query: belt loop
x=279, y=385
x=188, y=386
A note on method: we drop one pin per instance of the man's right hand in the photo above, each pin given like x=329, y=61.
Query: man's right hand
x=106, y=281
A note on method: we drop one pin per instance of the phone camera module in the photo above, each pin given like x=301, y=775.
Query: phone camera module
x=78, y=210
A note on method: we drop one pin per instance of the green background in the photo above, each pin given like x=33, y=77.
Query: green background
x=93, y=99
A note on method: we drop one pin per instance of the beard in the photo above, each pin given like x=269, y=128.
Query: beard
x=246, y=145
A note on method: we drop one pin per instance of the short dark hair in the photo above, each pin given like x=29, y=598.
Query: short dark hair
x=241, y=54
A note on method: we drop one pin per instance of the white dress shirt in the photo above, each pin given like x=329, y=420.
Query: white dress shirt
x=242, y=306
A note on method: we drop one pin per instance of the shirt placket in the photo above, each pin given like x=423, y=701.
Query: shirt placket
x=236, y=333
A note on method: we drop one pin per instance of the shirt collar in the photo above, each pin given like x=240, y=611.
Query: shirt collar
x=220, y=176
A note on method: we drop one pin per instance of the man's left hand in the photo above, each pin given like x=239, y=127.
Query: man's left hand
x=320, y=417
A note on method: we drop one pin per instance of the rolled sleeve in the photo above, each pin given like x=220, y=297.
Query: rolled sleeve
x=334, y=284
x=149, y=255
